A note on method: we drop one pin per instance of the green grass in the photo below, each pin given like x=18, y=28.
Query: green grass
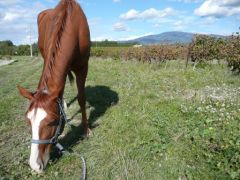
x=153, y=121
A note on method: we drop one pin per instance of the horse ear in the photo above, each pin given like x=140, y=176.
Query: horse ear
x=25, y=93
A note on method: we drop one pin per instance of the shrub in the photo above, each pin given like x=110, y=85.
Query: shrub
x=233, y=53
x=206, y=48
x=158, y=53
x=96, y=52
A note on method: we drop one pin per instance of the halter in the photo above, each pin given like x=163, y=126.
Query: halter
x=54, y=139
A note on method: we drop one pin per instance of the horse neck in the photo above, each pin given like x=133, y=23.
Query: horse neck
x=54, y=80
x=60, y=49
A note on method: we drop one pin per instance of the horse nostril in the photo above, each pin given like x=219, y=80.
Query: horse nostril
x=37, y=166
x=41, y=166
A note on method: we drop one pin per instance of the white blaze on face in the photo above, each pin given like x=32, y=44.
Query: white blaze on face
x=36, y=116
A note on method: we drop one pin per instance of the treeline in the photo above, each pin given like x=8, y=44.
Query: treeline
x=107, y=43
x=8, y=48
x=203, y=49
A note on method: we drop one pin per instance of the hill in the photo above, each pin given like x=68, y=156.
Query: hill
x=172, y=37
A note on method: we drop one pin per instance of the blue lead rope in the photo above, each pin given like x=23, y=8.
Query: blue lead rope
x=61, y=148
x=64, y=152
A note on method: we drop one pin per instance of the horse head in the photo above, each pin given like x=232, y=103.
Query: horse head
x=43, y=117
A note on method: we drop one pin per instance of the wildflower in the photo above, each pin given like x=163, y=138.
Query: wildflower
x=199, y=109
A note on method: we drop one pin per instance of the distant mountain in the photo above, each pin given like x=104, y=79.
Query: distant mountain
x=167, y=38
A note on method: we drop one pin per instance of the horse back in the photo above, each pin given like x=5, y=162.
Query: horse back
x=75, y=39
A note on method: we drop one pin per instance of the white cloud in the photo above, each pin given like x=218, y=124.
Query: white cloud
x=9, y=2
x=209, y=21
x=16, y=13
x=150, y=13
x=16, y=18
x=102, y=38
x=184, y=22
x=130, y=15
x=116, y=1
x=230, y=2
x=10, y=16
x=134, y=37
x=217, y=8
x=179, y=25
x=119, y=26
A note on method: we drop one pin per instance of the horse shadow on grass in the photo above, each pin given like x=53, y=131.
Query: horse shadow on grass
x=100, y=99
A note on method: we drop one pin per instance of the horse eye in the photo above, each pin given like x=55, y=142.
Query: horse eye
x=52, y=123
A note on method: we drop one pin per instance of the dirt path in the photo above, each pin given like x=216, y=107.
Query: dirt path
x=6, y=62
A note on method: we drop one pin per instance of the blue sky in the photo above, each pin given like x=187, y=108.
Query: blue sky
x=126, y=19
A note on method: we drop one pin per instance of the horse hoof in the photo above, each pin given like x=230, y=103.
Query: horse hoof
x=88, y=132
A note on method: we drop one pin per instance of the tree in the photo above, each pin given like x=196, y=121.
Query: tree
x=23, y=50
x=35, y=49
x=7, y=48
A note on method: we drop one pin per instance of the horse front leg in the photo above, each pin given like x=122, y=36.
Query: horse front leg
x=80, y=79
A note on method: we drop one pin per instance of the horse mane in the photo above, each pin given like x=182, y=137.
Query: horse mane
x=61, y=12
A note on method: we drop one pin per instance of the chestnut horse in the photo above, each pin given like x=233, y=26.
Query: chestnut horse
x=64, y=42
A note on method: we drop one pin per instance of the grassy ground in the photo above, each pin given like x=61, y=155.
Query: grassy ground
x=149, y=122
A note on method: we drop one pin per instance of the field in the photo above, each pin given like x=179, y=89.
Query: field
x=149, y=121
